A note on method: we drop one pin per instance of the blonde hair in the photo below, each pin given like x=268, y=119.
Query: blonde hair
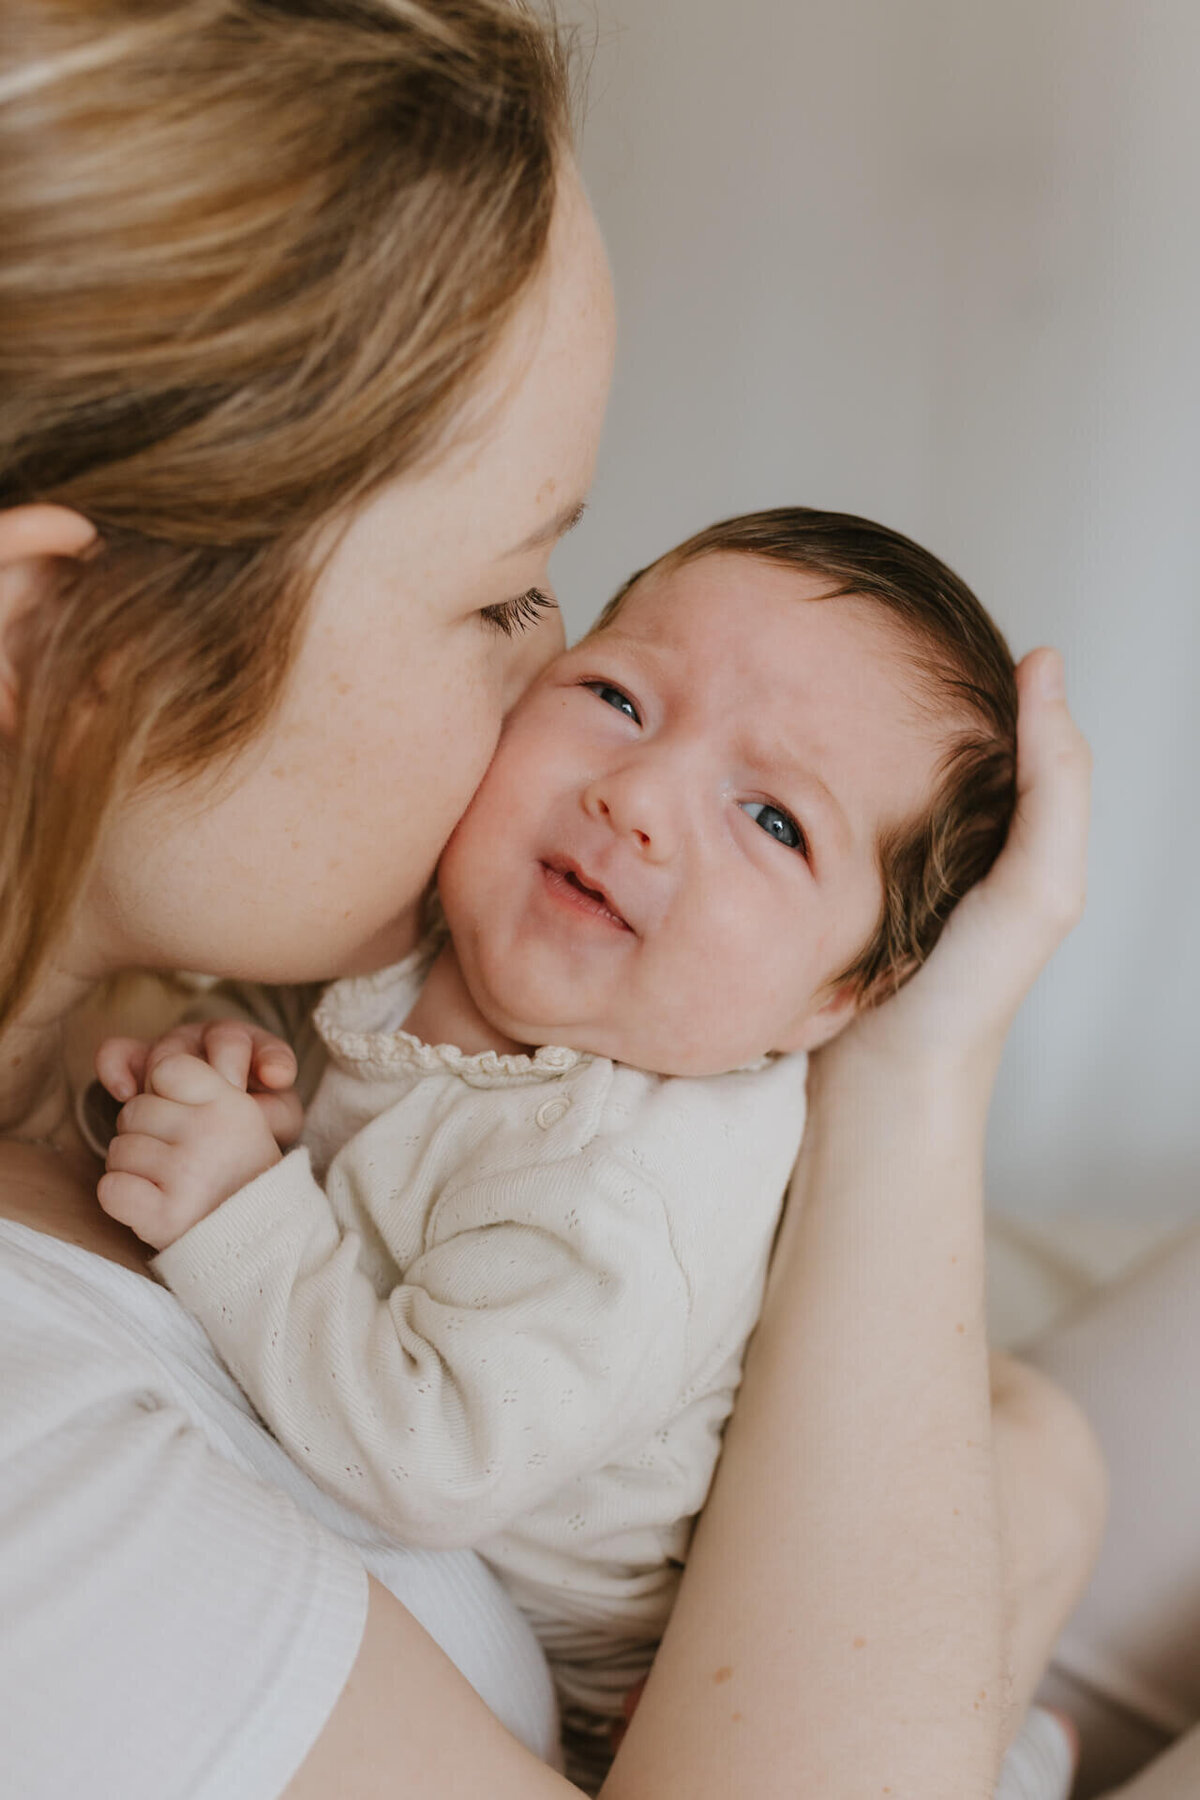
x=256, y=255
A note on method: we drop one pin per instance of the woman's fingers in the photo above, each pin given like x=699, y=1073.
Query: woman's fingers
x=1008, y=926
x=1002, y=933
x=1045, y=859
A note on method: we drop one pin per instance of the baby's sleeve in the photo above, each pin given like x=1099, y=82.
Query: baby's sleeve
x=540, y=1330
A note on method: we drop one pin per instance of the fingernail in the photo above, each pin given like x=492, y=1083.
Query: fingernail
x=1052, y=679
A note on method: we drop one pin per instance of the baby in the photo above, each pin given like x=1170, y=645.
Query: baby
x=501, y=1294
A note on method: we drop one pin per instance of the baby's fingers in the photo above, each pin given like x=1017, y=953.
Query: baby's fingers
x=274, y=1063
x=229, y=1047
x=283, y=1114
x=132, y=1201
x=146, y=1157
x=187, y=1080
x=187, y=1040
x=151, y=1116
x=121, y=1066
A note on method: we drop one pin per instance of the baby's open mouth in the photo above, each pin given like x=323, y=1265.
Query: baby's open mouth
x=572, y=877
x=590, y=899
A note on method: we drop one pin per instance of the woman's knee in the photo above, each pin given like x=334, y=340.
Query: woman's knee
x=1053, y=1483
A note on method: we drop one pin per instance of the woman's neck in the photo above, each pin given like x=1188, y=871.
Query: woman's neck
x=445, y=1013
x=35, y=1104
x=47, y=1173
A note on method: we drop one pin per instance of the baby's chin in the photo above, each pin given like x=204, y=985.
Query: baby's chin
x=624, y=1044
x=534, y=1017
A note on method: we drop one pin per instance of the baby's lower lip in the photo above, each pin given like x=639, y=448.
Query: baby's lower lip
x=566, y=889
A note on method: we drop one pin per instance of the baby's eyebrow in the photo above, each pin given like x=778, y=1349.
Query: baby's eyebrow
x=777, y=755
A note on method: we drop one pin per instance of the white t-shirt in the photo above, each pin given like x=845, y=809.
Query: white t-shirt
x=180, y=1605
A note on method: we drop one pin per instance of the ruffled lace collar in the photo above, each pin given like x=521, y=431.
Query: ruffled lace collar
x=359, y=1020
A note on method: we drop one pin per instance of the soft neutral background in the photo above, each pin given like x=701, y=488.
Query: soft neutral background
x=938, y=261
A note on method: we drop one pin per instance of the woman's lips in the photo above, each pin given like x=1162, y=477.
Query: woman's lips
x=569, y=888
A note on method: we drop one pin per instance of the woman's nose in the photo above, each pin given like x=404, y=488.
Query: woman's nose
x=637, y=803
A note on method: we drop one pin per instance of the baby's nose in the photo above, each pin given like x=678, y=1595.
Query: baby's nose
x=637, y=807
x=605, y=811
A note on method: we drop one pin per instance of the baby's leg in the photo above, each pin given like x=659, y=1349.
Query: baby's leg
x=1128, y=1666
x=1052, y=1502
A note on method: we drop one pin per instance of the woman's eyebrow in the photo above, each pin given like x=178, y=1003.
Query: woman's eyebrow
x=563, y=521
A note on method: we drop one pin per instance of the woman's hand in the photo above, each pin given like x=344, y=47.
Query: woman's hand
x=958, y=1008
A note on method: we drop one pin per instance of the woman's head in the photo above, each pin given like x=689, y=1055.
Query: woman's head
x=306, y=314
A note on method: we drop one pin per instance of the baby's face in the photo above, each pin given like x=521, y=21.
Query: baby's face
x=675, y=847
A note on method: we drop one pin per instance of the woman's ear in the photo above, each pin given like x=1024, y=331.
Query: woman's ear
x=816, y=1028
x=30, y=537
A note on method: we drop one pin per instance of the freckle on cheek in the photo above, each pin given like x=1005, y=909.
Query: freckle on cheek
x=722, y=1675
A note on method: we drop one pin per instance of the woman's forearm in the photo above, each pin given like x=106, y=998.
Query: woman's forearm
x=838, y=1631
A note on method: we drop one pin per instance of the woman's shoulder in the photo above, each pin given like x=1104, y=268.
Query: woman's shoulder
x=116, y=1415
x=80, y=1334
x=172, y=1625
x=83, y=1336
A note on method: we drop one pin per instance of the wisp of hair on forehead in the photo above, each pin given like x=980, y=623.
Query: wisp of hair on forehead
x=928, y=863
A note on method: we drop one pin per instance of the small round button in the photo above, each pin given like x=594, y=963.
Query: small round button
x=551, y=1111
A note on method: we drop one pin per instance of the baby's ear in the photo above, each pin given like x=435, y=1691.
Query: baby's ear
x=816, y=1028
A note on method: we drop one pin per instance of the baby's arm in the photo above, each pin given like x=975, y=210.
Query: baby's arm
x=538, y=1333
x=192, y=1131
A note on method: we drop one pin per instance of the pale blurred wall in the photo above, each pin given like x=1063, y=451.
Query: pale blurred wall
x=938, y=261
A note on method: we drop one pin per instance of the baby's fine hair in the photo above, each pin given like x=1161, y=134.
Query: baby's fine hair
x=927, y=863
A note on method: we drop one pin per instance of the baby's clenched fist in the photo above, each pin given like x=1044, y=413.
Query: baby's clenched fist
x=183, y=1145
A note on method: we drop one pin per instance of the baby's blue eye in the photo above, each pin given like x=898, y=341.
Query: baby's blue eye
x=612, y=696
x=776, y=823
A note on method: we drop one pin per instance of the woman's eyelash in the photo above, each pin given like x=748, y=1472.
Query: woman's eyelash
x=511, y=616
